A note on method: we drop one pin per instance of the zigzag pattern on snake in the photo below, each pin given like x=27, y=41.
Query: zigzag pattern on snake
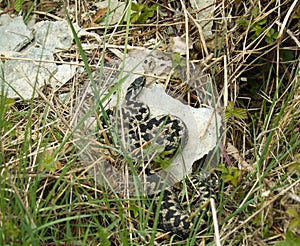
x=156, y=139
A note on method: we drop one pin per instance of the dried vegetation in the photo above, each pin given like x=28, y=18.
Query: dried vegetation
x=253, y=58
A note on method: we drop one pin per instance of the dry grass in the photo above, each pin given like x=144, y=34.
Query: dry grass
x=46, y=196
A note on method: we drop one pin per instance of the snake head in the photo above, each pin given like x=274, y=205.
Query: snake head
x=135, y=87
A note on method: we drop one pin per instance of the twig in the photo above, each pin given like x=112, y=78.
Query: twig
x=186, y=13
x=225, y=82
x=289, y=32
x=215, y=221
x=286, y=18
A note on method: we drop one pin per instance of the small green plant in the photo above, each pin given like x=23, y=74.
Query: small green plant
x=231, y=112
x=49, y=162
x=141, y=12
x=295, y=223
x=26, y=7
x=295, y=167
x=258, y=27
x=18, y=5
x=178, y=63
x=230, y=174
x=271, y=36
x=134, y=208
x=290, y=240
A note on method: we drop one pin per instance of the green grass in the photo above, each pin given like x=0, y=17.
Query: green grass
x=48, y=198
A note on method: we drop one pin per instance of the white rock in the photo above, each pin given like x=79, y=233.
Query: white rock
x=14, y=33
x=34, y=66
x=203, y=125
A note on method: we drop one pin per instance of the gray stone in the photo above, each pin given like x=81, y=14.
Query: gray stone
x=14, y=33
x=25, y=72
x=55, y=36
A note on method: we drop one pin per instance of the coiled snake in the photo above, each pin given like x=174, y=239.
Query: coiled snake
x=158, y=140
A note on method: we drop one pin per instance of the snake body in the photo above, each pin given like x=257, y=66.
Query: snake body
x=142, y=135
x=145, y=139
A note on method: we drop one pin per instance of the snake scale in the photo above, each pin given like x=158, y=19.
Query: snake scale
x=158, y=139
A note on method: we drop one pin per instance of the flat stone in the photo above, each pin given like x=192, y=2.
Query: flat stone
x=14, y=33
x=53, y=35
x=34, y=67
